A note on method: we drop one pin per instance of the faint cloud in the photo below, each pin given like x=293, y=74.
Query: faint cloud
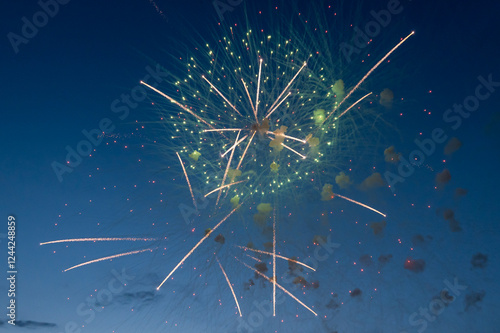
x=460, y=192
x=386, y=98
x=452, y=146
x=373, y=181
x=443, y=177
x=342, y=180
x=391, y=156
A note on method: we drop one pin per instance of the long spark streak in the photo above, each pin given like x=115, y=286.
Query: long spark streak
x=222, y=130
x=235, y=145
x=277, y=256
x=359, y=100
x=109, y=239
x=108, y=258
x=245, y=151
x=187, y=180
x=289, y=137
x=368, y=74
x=359, y=203
x=277, y=106
x=250, y=99
x=227, y=169
x=256, y=259
x=287, y=86
x=258, y=90
x=278, y=285
x=303, y=157
x=177, y=103
x=227, y=185
x=196, y=246
x=230, y=286
x=221, y=95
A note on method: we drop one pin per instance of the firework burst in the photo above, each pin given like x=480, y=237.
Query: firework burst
x=257, y=121
x=247, y=122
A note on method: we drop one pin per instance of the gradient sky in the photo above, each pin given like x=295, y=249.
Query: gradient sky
x=65, y=78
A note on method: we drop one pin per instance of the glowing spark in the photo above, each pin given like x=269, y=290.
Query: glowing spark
x=289, y=137
x=221, y=187
x=258, y=90
x=177, y=103
x=230, y=287
x=112, y=239
x=359, y=203
x=279, y=286
x=277, y=256
x=250, y=99
x=187, y=179
x=107, y=258
x=359, y=100
x=288, y=85
x=221, y=95
x=196, y=246
x=245, y=152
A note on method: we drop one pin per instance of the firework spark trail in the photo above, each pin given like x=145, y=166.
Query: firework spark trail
x=109, y=239
x=227, y=167
x=258, y=91
x=296, y=152
x=278, y=285
x=288, y=85
x=178, y=104
x=227, y=185
x=250, y=99
x=187, y=180
x=235, y=145
x=108, y=258
x=277, y=105
x=359, y=203
x=222, y=130
x=230, y=286
x=368, y=74
x=274, y=262
x=289, y=137
x=198, y=244
x=256, y=259
x=245, y=152
x=359, y=100
x=303, y=157
x=221, y=95
x=277, y=256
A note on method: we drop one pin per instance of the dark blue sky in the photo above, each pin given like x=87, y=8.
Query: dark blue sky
x=66, y=78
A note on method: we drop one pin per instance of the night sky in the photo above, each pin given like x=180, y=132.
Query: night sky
x=77, y=73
